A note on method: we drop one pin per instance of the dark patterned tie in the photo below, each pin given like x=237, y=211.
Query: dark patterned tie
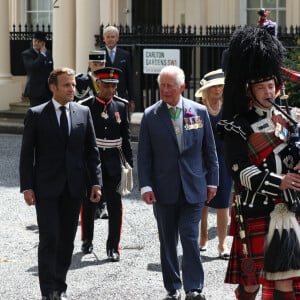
x=64, y=122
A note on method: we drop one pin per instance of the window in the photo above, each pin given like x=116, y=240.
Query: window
x=277, y=8
x=38, y=12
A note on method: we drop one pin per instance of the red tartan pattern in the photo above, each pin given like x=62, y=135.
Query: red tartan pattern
x=261, y=145
x=256, y=231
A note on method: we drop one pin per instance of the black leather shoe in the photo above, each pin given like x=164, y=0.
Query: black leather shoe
x=173, y=295
x=87, y=247
x=113, y=255
x=51, y=296
x=194, y=295
x=60, y=295
x=63, y=296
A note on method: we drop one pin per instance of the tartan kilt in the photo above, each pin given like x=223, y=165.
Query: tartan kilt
x=256, y=230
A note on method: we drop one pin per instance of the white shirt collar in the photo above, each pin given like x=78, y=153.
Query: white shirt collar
x=179, y=104
x=57, y=105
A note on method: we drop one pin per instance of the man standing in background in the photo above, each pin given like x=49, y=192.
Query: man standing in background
x=120, y=59
x=38, y=64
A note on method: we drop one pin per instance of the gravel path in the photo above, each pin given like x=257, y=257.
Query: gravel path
x=136, y=276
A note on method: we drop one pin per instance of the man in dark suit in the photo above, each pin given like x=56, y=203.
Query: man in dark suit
x=120, y=59
x=38, y=64
x=110, y=119
x=178, y=172
x=58, y=149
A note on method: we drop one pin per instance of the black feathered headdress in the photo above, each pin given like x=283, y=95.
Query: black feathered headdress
x=254, y=55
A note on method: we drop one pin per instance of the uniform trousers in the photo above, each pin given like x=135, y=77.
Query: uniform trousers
x=115, y=212
x=57, y=220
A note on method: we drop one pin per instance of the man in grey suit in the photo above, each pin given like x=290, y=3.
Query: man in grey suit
x=178, y=172
x=58, y=151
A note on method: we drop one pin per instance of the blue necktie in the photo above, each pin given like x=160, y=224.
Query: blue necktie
x=112, y=55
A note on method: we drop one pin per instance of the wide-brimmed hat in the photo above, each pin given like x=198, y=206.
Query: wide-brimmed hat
x=210, y=79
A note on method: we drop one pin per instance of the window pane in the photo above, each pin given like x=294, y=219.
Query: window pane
x=282, y=18
x=44, y=19
x=32, y=19
x=252, y=17
x=269, y=3
x=282, y=3
x=44, y=4
x=253, y=3
x=32, y=5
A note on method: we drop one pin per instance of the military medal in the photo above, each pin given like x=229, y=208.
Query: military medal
x=104, y=115
x=177, y=129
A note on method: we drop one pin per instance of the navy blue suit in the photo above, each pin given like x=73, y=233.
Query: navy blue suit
x=38, y=67
x=179, y=181
x=123, y=62
x=56, y=170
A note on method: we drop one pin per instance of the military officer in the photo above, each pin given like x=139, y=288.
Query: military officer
x=86, y=82
x=110, y=118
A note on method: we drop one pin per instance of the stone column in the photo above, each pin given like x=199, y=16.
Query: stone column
x=87, y=26
x=64, y=34
x=10, y=90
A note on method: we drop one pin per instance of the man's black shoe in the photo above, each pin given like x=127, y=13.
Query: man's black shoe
x=194, y=295
x=60, y=295
x=87, y=247
x=173, y=295
x=113, y=255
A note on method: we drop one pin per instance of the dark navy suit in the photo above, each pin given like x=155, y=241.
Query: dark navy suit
x=38, y=67
x=123, y=62
x=179, y=181
x=56, y=172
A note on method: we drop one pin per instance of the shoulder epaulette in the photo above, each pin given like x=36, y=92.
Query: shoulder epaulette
x=81, y=76
x=120, y=99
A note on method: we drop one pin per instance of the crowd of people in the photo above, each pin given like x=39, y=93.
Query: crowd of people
x=234, y=151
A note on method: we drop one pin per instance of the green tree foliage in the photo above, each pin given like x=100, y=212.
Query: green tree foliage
x=292, y=88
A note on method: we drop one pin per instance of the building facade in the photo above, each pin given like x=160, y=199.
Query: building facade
x=75, y=23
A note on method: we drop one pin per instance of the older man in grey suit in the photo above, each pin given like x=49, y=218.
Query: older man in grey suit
x=58, y=150
x=178, y=172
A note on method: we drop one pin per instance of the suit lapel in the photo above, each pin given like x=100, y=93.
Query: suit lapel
x=164, y=116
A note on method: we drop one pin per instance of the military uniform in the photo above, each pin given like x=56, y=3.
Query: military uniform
x=111, y=125
x=85, y=86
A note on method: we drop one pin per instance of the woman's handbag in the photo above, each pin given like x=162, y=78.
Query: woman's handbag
x=126, y=184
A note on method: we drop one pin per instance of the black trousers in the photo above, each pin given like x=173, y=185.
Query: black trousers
x=57, y=221
x=115, y=211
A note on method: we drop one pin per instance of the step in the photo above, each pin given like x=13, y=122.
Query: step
x=21, y=106
x=12, y=114
x=11, y=125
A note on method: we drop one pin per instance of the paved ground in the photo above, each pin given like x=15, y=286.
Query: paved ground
x=136, y=276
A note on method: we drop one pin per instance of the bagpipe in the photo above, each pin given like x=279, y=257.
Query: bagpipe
x=291, y=196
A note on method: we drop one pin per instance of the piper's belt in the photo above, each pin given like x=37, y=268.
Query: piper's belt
x=103, y=143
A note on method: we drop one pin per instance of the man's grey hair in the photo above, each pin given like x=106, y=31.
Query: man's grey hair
x=180, y=77
x=110, y=29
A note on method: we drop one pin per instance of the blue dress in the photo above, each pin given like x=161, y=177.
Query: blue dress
x=222, y=198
